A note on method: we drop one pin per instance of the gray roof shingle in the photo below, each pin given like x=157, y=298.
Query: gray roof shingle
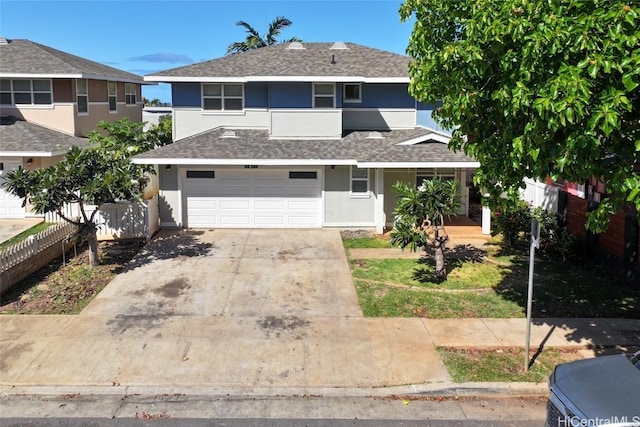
x=314, y=60
x=21, y=56
x=255, y=145
x=20, y=136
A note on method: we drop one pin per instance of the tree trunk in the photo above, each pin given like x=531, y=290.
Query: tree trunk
x=92, y=240
x=438, y=247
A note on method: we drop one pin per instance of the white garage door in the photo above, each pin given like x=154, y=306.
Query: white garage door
x=252, y=198
x=10, y=205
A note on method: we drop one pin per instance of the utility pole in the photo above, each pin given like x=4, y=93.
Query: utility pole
x=535, y=243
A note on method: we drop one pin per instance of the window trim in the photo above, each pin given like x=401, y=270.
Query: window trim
x=222, y=97
x=351, y=100
x=32, y=93
x=114, y=96
x=332, y=96
x=352, y=179
x=85, y=95
x=133, y=93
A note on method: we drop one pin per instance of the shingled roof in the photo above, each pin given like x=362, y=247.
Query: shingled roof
x=252, y=146
x=289, y=60
x=22, y=58
x=19, y=137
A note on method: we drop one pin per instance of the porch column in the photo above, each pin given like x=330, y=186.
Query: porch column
x=486, y=219
x=379, y=204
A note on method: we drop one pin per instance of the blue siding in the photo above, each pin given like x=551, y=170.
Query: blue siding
x=256, y=95
x=186, y=95
x=425, y=117
x=383, y=95
x=290, y=95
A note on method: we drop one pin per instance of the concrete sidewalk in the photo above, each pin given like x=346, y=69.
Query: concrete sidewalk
x=219, y=355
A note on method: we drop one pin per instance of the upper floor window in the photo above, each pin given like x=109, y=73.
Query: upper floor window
x=359, y=180
x=324, y=95
x=113, y=96
x=352, y=92
x=217, y=96
x=25, y=92
x=82, y=95
x=130, y=94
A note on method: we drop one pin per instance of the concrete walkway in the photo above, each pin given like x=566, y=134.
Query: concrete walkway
x=13, y=227
x=257, y=313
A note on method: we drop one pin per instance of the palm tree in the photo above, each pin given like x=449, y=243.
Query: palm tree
x=255, y=40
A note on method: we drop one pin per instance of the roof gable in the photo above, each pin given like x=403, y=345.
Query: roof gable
x=24, y=58
x=311, y=61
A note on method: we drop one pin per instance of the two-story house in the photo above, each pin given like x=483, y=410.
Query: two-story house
x=297, y=135
x=49, y=101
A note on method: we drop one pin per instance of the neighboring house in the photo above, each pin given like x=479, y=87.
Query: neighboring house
x=297, y=135
x=151, y=115
x=49, y=101
x=619, y=245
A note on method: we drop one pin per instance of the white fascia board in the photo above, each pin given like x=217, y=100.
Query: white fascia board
x=238, y=162
x=31, y=153
x=387, y=80
x=203, y=79
x=68, y=76
x=245, y=79
x=403, y=165
x=429, y=137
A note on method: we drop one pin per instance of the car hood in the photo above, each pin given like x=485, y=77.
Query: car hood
x=601, y=388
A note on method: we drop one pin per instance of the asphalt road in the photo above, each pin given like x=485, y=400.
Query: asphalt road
x=253, y=422
x=282, y=411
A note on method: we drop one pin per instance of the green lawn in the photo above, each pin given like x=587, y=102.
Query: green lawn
x=469, y=365
x=489, y=283
x=366, y=242
x=30, y=232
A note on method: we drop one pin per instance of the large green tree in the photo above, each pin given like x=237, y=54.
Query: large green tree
x=255, y=40
x=100, y=174
x=419, y=217
x=534, y=89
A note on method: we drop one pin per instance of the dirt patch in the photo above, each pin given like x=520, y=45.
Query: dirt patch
x=66, y=287
x=357, y=234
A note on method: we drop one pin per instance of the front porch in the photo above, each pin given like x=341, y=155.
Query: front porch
x=462, y=230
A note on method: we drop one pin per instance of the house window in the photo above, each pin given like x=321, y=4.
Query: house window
x=445, y=175
x=201, y=174
x=25, y=92
x=130, y=94
x=303, y=175
x=352, y=92
x=324, y=95
x=113, y=98
x=222, y=97
x=82, y=95
x=359, y=180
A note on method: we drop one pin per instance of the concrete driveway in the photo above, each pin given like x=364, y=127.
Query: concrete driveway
x=224, y=311
x=235, y=273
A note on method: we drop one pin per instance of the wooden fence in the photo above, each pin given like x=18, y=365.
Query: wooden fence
x=25, y=257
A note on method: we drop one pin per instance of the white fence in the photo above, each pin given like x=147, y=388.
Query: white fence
x=33, y=245
x=119, y=220
x=539, y=194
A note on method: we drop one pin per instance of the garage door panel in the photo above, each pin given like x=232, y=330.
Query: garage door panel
x=10, y=205
x=246, y=198
x=266, y=204
x=232, y=204
x=269, y=221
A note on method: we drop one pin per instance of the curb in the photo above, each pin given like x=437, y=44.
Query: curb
x=449, y=389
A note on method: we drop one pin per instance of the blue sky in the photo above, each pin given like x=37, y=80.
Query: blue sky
x=146, y=36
